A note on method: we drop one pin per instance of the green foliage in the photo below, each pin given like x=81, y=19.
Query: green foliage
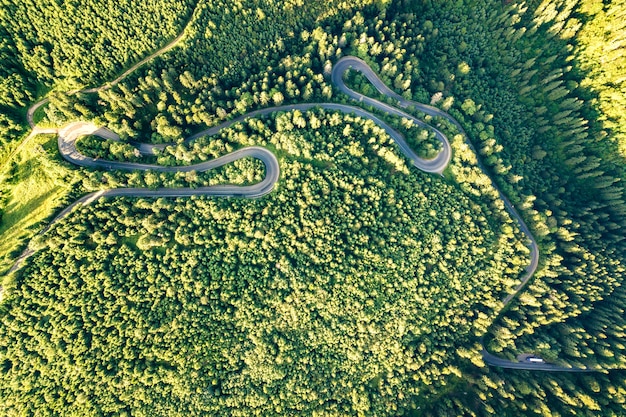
x=331, y=295
x=359, y=287
x=96, y=147
x=423, y=141
x=536, y=103
x=88, y=41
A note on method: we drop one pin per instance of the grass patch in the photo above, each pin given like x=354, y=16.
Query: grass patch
x=32, y=185
x=39, y=116
x=130, y=241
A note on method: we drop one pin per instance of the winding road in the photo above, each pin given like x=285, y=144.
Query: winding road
x=30, y=114
x=68, y=135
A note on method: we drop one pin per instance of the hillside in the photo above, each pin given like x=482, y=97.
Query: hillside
x=450, y=203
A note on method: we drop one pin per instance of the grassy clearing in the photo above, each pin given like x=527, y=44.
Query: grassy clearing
x=39, y=116
x=32, y=185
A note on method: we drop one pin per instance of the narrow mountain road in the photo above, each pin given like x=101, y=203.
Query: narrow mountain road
x=30, y=114
x=69, y=134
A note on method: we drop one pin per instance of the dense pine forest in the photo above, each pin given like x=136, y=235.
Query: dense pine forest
x=360, y=285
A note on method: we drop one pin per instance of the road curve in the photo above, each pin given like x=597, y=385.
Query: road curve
x=70, y=133
x=67, y=147
x=30, y=114
x=357, y=64
x=438, y=163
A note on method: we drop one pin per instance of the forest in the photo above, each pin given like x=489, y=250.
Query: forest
x=360, y=285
